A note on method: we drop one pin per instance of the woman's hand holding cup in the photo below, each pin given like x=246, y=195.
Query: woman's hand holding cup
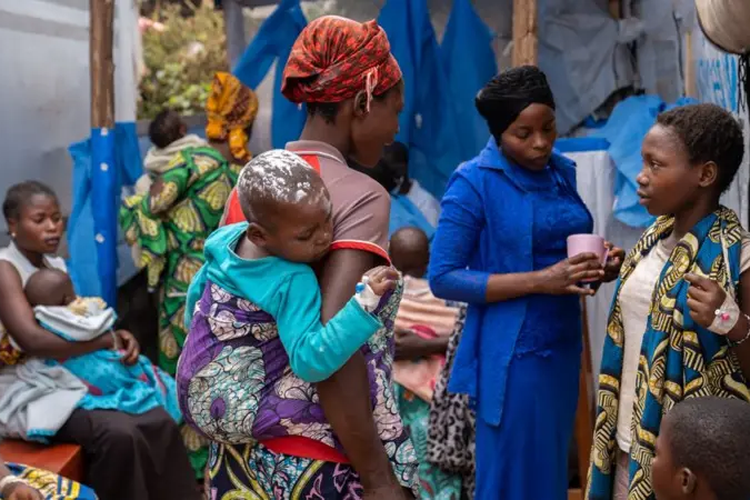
x=564, y=278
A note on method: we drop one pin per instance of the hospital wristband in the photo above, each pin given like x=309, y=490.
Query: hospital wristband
x=725, y=317
x=115, y=340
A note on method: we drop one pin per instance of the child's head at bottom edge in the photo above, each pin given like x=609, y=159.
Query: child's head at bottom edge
x=49, y=287
x=287, y=205
x=410, y=251
x=703, y=451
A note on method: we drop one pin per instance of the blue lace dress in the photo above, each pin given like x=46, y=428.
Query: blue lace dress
x=529, y=455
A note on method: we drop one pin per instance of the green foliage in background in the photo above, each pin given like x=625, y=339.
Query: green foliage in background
x=181, y=60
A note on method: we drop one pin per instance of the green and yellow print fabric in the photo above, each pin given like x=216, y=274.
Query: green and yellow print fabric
x=170, y=227
x=679, y=359
x=194, y=189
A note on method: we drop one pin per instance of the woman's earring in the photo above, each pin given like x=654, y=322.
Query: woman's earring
x=13, y=235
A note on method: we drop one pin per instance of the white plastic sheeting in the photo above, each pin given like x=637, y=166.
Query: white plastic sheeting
x=583, y=51
x=717, y=82
x=45, y=86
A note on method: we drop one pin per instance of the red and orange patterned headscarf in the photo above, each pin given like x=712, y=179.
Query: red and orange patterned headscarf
x=231, y=108
x=334, y=58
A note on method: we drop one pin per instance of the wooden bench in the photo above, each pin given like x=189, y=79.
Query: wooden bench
x=63, y=459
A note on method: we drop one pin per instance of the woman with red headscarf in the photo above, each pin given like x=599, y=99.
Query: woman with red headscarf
x=330, y=440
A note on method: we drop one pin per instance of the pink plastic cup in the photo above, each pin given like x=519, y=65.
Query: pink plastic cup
x=587, y=243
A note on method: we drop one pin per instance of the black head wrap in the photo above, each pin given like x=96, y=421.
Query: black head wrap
x=509, y=93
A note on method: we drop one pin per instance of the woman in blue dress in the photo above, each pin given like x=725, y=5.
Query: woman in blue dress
x=500, y=246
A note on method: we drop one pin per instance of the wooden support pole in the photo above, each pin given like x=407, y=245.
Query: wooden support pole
x=689, y=65
x=525, y=36
x=234, y=27
x=103, y=178
x=615, y=9
x=102, y=67
x=584, y=426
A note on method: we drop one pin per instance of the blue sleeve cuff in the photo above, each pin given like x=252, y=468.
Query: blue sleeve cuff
x=461, y=285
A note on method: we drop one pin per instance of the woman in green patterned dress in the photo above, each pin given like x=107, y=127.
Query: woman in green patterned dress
x=184, y=203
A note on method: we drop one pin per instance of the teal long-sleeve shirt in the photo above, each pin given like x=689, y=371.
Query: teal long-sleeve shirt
x=289, y=292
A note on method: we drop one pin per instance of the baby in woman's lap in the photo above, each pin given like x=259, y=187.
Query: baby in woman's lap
x=135, y=387
x=254, y=308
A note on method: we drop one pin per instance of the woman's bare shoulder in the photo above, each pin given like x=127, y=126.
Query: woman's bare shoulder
x=9, y=275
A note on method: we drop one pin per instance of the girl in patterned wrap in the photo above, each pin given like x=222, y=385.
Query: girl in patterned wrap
x=254, y=311
x=678, y=327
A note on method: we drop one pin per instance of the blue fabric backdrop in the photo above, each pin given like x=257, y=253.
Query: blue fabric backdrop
x=273, y=43
x=102, y=164
x=469, y=62
x=405, y=214
x=429, y=122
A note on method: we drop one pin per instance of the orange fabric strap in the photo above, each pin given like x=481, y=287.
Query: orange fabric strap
x=299, y=446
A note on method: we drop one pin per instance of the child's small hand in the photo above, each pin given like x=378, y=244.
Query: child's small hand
x=382, y=279
x=615, y=257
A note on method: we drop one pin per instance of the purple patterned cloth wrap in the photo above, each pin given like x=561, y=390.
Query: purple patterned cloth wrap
x=235, y=384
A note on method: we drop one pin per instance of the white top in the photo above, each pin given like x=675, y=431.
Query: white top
x=425, y=202
x=25, y=269
x=635, y=301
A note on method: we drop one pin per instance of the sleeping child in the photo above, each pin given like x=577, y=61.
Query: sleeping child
x=111, y=384
x=256, y=341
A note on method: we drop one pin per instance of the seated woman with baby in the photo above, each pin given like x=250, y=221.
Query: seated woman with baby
x=130, y=452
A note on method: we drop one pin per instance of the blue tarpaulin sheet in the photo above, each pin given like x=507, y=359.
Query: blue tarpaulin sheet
x=102, y=164
x=273, y=43
x=469, y=61
x=429, y=123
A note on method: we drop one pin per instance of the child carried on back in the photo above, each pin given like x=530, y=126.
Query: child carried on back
x=256, y=341
x=112, y=385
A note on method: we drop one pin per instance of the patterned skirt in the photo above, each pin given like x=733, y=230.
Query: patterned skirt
x=253, y=471
x=434, y=482
x=52, y=486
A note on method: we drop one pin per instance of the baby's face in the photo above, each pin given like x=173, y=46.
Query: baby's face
x=302, y=232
